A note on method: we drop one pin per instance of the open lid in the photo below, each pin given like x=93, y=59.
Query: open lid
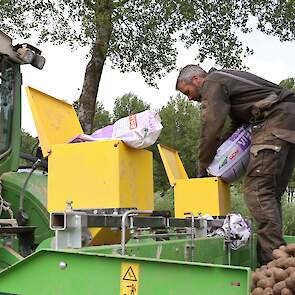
x=55, y=120
x=172, y=163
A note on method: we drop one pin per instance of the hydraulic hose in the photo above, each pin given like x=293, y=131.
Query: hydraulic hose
x=22, y=217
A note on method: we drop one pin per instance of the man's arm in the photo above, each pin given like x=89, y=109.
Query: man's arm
x=214, y=110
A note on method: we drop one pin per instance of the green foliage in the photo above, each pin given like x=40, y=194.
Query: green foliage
x=128, y=104
x=102, y=117
x=29, y=145
x=288, y=83
x=288, y=218
x=237, y=200
x=181, y=122
x=238, y=206
x=28, y=142
x=143, y=33
x=164, y=201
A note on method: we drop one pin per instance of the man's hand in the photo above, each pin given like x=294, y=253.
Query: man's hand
x=202, y=174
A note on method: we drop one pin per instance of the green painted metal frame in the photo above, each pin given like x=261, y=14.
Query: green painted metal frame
x=9, y=161
x=8, y=257
x=205, y=250
x=96, y=273
x=35, y=202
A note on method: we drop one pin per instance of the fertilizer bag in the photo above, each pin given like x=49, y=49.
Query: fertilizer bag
x=232, y=157
x=137, y=131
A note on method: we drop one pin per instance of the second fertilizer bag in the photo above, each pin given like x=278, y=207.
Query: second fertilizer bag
x=232, y=157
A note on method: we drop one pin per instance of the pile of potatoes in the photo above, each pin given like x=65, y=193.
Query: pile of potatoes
x=278, y=276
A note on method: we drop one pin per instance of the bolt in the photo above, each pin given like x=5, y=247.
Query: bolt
x=62, y=265
x=69, y=206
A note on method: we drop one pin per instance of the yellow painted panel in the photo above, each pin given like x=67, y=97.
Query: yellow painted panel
x=55, y=120
x=85, y=173
x=106, y=236
x=129, y=283
x=224, y=201
x=103, y=174
x=172, y=163
x=136, y=178
x=201, y=195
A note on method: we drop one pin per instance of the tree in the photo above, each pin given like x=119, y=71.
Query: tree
x=140, y=35
x=29, y=145
x=128, y=104
x=102, y=117
x=181, y=122
x=288, y=83
x=28, y=142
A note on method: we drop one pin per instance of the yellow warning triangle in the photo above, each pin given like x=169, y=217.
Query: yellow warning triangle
x=129, y=275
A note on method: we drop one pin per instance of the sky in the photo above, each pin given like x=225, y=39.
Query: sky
x=63, y=74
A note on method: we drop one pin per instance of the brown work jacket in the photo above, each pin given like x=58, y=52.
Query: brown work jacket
x=245, y=98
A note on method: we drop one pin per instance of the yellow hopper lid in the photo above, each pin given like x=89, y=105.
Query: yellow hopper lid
x=172, y=163
x=55, y=120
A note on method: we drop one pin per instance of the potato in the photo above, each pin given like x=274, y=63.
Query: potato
x=260, y=275
x=290, y=249
x=278, y=287
x=254, y=277
x=264, y=283
x=282, y=262
x=279, y=274
x=290, y=269
x=292, y=276
x=269, y=272
x=279, y=253
x=286, y=291
x=290, y=262
x=272, y=264
x=268, y=291
x=283, y=248
x=257, y=291
x=290, y=284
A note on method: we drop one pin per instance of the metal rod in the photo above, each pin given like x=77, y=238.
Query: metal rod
x=138, y=236
x=228, y=241
x=123, y=226
x=191, y=214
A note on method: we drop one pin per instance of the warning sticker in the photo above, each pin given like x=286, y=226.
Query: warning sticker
x=129, y=279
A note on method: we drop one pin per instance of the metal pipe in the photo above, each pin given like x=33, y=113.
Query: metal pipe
x=123, y=226
x=191, y=214
x=138, y=236
x=228, y=241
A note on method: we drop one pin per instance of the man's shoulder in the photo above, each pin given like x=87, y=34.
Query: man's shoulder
x=228, y=73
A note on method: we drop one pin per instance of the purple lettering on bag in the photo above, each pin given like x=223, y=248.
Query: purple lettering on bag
x=244, y=141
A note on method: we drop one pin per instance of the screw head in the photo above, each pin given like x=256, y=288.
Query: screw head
x=62, y=265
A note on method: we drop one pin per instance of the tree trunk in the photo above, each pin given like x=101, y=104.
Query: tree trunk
x=87, y=101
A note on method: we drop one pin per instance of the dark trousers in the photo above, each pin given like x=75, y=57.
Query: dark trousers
x=269, y=170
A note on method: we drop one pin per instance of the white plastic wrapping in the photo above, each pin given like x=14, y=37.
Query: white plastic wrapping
x=140, y=130
x=137, y=131
x=237, y=228
x=232, y=157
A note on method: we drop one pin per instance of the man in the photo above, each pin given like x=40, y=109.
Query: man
x=249, y=99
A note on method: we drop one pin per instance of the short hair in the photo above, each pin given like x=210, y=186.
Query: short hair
x=188, y=72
